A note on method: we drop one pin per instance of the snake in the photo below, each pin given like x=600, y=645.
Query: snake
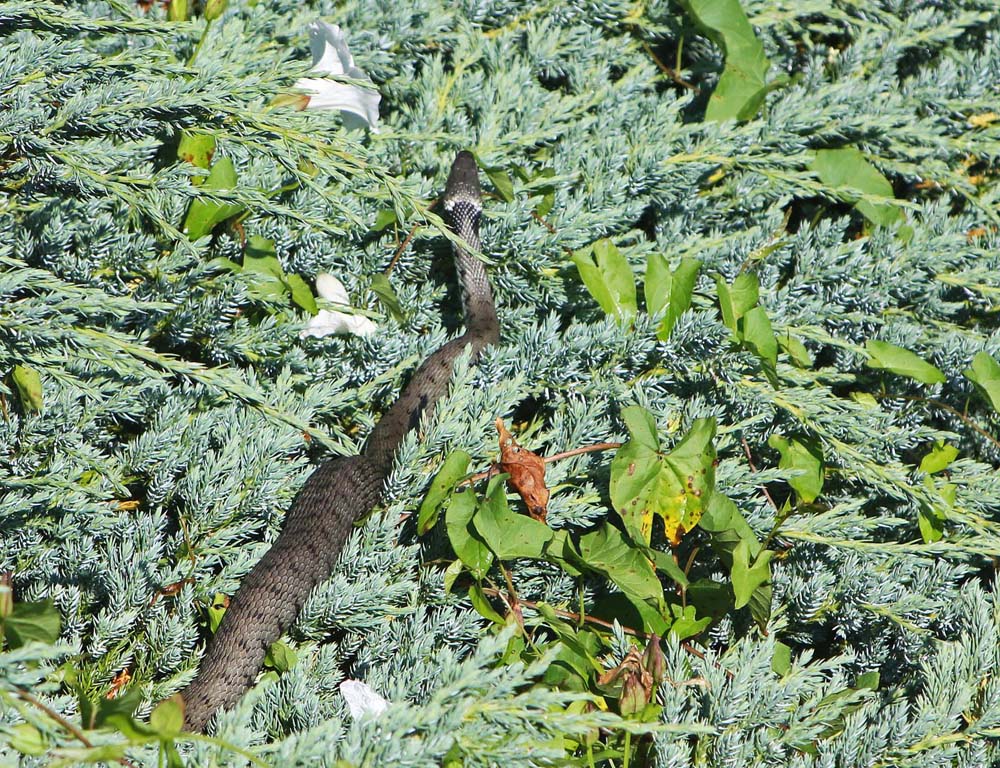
x=343, y=489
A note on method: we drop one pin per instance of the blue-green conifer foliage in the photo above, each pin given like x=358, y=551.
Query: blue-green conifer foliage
x=180, y=411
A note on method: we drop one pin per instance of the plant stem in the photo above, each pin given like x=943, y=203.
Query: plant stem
x=201, y=40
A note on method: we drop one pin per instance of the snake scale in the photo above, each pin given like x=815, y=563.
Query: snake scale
x=341, y=490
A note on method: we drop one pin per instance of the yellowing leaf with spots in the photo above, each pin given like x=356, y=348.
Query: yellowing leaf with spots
x=676, y=485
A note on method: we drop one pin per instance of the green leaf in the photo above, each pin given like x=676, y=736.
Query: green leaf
x=737, y=299
x=657, y=283
x=806, y=457
x=280, y=657
x=674, y=486
x=167, y=718
x=931, y=523
x=759, y=337
x=889, y=357
x=760, y=605
x=216, y=611
x=669, y=292
x=384, y=219
x=665, y=563
x=382, y=289
x=781, y=661
x=562, y=552
x=470, y=549
x=847, y=171
x=742, y=85
x=502, y=183
x=931, y=516
x=641, y=426
x=693, y=462
x=451, y=574
x=177, y=10
x=454, y=468
x=482, y=605
x=547, y=203
x=631, y=611
x=722, y=514
x=610, y=554
x=984, y=373
x=585, y=644
x=27, y=740
x=32, y=622
x=686, y=621
x=710, y=598
x=608, y=277
x=868, y=680
x=749, y=574
x=796, y=350
x=203, y=215
x=728, y=529
x=509, y=535
x=227, y=264
x=29, y=387
x=196, y=148
x=681, y=290
x=301, y=293
x=261, y=258
x=133, y=730
x=122, y=706
x=635, y=482
x=940, y=456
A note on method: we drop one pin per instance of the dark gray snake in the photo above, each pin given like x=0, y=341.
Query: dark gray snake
x=341, y=490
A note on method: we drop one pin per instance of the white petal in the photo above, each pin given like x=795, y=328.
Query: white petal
x=359, y=325
x=359, y=103
x=330, y=288
x=330, y=53
x=362, y=700
x=327, y=322
x=330, y=321
x=331, y=56
x=324, y=323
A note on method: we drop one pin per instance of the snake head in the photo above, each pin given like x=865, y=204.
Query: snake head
x=462, y=193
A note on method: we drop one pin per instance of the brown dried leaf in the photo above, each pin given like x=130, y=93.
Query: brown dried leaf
x=635, y=680
x=170, y=590
x=120, y=681
x=527, y=473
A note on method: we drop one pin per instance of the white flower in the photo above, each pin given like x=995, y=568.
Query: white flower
x=359, y=106
x=328, y=321
x=362, y=700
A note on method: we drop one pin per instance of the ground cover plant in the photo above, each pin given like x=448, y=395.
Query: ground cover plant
x=726, y=493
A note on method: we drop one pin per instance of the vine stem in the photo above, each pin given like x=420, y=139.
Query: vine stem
x=201, y=41
x=753, y=468
x=971, y=424
x=779, y=518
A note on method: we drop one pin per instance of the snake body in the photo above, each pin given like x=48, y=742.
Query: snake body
x=341, y=490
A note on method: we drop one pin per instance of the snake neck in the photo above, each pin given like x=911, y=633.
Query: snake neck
x=463, y=208
x=477, y=297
